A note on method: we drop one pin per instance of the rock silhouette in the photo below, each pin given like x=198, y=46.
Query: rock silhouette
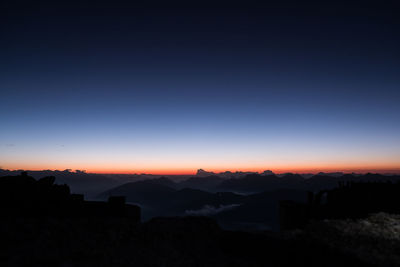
x=350, y=200
x=24, y=196
x=43, y=224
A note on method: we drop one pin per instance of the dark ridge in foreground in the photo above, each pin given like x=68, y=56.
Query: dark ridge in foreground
x=24, y=196
x=42, y=224
x=350, y=200
x=188, y=241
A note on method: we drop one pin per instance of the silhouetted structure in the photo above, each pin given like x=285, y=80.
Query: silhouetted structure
x=24, y=196
x=349, y=200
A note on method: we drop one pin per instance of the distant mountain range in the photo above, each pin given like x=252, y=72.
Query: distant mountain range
x=92, y=184
x=240, y=174
x=256, y=183
x=234, y=202
x=250, y=201
x=158, y=197
x=80, y=182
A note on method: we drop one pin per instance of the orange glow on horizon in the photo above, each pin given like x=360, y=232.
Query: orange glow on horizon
x=277, y=171
x=192, y=171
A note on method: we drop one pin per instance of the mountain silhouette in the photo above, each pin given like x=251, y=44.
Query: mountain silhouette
x=232, y=210
x=43, y=223
x=208, y=183
x=257, y=183
x=146, y=192
x=23, y=195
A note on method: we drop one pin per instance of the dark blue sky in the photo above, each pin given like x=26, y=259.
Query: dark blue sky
x=125, y=88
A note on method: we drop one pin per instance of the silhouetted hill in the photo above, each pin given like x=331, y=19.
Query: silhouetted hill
x=80, y=182
x=160, y=200
x=232, y=210
x=258, y=183
x=188, y=198
x=23, y=195
x=146, y=192
x=44, y=225
x=175, y=241
x=350, y=200
x=207, y=183
x=258, y=211
x=162, y=181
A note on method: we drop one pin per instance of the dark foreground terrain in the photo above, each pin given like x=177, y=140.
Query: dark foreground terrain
x=189, y=241
x=43, y=224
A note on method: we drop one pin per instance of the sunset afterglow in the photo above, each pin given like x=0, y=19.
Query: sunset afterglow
x=229, y=93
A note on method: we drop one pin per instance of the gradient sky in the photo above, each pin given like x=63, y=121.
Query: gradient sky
x=117, y=88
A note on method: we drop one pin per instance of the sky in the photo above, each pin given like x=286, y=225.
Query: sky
x=126, y=89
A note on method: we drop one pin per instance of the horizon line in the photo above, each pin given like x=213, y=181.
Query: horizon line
x=179, y=173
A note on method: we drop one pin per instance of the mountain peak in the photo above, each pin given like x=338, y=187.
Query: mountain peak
x=202, y=173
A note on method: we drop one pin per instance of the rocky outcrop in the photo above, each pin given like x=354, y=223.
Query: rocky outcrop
x=23, y=196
